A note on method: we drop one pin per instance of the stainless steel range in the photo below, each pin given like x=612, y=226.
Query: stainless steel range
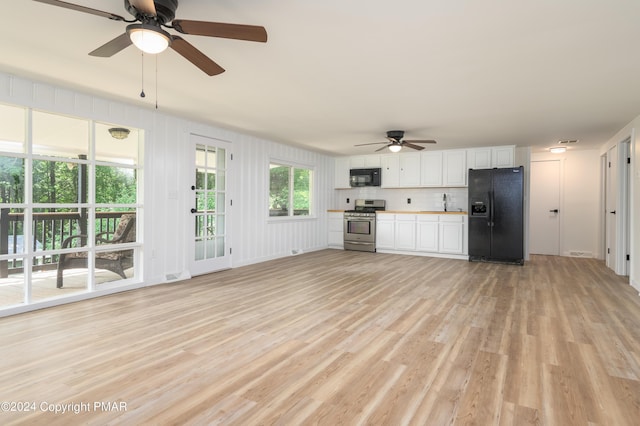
x=360, y=225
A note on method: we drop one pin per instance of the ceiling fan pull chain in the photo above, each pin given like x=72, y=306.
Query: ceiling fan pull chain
x=142, y=95
x=156, y=81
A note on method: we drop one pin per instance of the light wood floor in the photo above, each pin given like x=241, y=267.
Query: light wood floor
x=335, y=337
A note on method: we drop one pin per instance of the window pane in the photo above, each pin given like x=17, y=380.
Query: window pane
x=111, y=224
x=221, y=159
x=301, y=185
x=201, y=155
x=211, y=180
x=113, y=265
x=59, y=228
x=59, y=136
x=56, y=182
x=11, y=180
x=12, y=221
x=110, y=147
x=12, y=128
x=278, y=190
x=115, y=185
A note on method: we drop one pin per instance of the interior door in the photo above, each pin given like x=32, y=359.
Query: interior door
x=210, y=206
x=611, y=201
x=544, y=208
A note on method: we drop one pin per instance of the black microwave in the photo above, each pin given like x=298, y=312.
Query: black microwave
x=364, y=177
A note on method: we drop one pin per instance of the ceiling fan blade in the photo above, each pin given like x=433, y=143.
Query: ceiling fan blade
x=383, y=148
x=217, y=29
x=146, y=7
x=112, y=47
x=372, y=143
x=195, y=56
x=420, y=141
x=79, y=8
x=410, y=145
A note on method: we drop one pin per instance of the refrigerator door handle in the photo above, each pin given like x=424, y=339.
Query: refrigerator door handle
x=491, y=200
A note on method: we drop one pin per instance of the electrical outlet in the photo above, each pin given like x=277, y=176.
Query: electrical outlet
x=347, y=201
x=408, y=200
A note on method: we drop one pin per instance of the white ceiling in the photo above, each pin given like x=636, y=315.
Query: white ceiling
x=337, y=73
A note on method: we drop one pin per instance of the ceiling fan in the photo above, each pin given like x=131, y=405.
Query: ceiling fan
x=145, y=31
x=396, y=142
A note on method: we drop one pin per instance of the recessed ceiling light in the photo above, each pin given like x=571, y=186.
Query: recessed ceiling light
x=557, y=149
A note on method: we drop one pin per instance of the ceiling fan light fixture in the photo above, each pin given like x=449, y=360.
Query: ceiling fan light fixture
x=395, y=147
x=149, y=38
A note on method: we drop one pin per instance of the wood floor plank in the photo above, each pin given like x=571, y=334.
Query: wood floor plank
x=340, y=337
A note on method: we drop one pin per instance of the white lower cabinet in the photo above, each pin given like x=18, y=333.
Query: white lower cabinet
x=385, y=231
x=405, y=232
x=336, y=229
x=427, y=233
x=451, y=234
x=422, y=233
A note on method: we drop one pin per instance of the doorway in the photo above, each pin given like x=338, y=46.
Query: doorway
x=544, y=231
x=617, y=207
x=209, y=234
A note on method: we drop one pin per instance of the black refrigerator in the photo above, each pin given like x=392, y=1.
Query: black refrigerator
x=496, y=222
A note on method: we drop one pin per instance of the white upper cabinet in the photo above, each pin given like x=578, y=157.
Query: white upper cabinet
x=431, y=168
x=490, y=157
x=390, y=170
x=341, y=178
x=410, y=169
x=364, y=162
x=446, y=168
x=503, y=156
x=454, y=167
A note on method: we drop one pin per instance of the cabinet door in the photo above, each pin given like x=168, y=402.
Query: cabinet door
x=372, y=161
x=427, y=235
x=502, y=156
x=336, y=229
x=409, y=169
x=385, y=234
x=451, y=234
x=431, y=168
x=390, y=171
x=479, y=158
x=455, y=167
x=341, y=179
x=405, y=232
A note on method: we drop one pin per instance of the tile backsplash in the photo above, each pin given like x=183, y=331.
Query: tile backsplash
x=422, y=199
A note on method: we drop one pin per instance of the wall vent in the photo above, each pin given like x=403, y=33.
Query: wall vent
x=296, y=251
x=568, y=141
x=577, y=253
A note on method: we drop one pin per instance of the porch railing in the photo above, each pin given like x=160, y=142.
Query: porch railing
x=50, y=229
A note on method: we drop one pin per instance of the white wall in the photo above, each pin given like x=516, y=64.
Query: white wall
x=579, y=200
x=632, y=130
x=168, y=177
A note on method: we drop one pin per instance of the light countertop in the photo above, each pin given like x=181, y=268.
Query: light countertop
x=408, y=212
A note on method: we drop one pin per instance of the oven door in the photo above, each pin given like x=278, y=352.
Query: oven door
x=360, y=233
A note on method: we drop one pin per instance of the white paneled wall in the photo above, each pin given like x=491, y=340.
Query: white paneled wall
x=167, y=179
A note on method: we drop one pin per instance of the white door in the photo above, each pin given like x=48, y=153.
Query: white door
x=210, y=204
x=544, y=210
x=611, y=201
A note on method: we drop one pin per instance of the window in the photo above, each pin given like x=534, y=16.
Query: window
x=289, y=190
x=82, y=194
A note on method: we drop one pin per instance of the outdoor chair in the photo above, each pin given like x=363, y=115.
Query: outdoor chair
x=115, y=261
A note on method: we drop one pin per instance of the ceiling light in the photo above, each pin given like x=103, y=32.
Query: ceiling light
x=394, y=147
x=119, y=132
x=149, y=38
x=557, y=149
